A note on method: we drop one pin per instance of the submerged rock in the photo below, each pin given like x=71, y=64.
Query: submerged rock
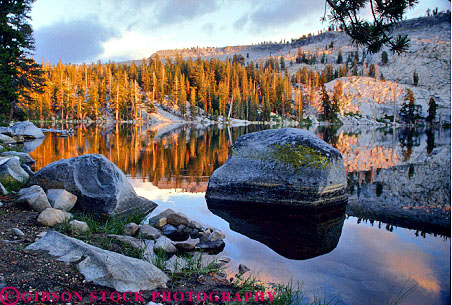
x=243, y=269
x=6, y=139
x=211, y=246
x=103, y=267
x=286, y=166
x=100, y=186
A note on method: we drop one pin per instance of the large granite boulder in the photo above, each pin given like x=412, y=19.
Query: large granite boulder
x=27, y=130
x=286, y=166
x=100, y=186
x=103, y=267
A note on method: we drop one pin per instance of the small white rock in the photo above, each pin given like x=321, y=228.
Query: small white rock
x=77, y=226
x=217, y=235
x=17, y=232
x=50, y=217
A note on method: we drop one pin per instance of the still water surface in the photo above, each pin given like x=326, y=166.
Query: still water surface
x=357, y=261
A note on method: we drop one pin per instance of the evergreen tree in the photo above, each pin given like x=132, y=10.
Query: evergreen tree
x=282, y=63
x=372, y=34
x=432, y=106
x=339, y=57
x=326, y=105
x=415, y=78
x=337, y=94
x=410, y=112
x=372, y=70
x=384, y=57
x=19, y=75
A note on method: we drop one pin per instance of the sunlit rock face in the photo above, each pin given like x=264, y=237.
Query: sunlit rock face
x=284, y=167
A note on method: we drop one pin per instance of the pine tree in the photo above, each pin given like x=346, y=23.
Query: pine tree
x=410, y=112
x=19, y=75
x=384, y=57
x=372, y=70
x=432, y=106
x=282, y=63
x=376, y=33
x=326, y=105
x=415, y=78
x=339, y=57
x=337, y=94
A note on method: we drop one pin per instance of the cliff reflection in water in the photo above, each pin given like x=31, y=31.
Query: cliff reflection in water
x=289, y=232
x=183, y=159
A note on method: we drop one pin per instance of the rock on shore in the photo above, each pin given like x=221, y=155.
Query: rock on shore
x=103, y=267
x=287, y=166
x=100, y=186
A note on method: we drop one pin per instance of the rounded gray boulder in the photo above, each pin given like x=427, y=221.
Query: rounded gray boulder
x=286, y=166
x=27, y=130
x=100, y=186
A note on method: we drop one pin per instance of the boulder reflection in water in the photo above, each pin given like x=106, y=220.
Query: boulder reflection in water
x=291, y=232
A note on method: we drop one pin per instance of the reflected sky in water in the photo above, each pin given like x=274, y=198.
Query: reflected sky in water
x=370, y=265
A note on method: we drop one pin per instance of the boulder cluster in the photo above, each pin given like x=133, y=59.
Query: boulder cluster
x=19, y=133
x=173, y=231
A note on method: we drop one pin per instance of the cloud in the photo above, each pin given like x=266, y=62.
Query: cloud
x=280, y=13
x=241, y=22
x=209, y=28
x=176, y=11
x=72, y=41
x=153, y=14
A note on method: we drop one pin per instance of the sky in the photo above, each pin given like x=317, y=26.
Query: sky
x=117, y=30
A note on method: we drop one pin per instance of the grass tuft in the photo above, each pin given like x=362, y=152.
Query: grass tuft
x=108, y=225
x=12, y=185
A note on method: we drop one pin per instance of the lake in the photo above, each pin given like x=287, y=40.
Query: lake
x=351, y=258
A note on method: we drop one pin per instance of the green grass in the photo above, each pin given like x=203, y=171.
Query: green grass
x=160, y=259
x=12, y=185
x=284, y=294
x=195, y=267
x=108, y=225
x=100, y=227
